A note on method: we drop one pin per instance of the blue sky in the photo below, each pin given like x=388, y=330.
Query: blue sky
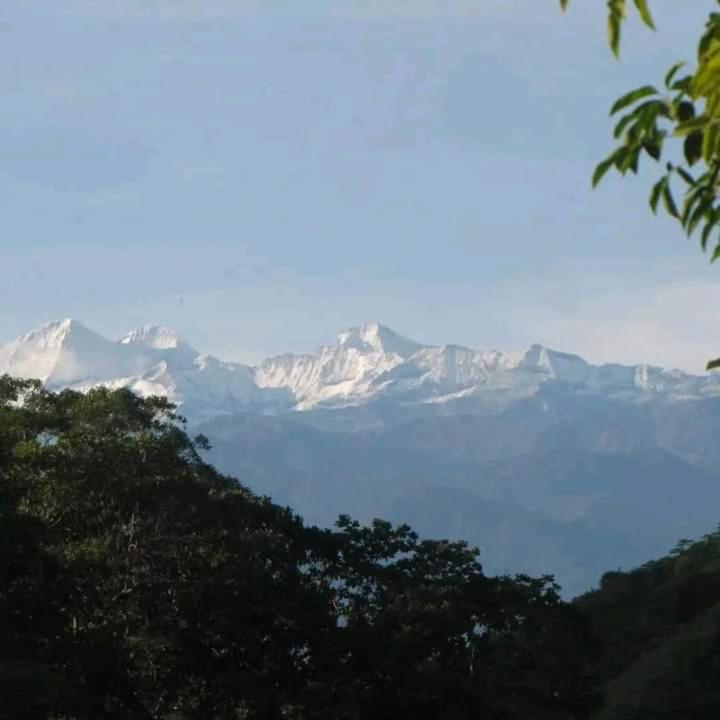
x=262, y=175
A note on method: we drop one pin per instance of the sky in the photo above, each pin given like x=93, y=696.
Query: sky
x=263, y=175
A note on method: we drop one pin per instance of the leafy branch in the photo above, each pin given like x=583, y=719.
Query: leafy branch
x=687, y=115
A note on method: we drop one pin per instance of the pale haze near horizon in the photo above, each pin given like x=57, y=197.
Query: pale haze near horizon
x=261, y=179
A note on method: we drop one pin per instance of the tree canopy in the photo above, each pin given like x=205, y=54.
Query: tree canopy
x=137, y=582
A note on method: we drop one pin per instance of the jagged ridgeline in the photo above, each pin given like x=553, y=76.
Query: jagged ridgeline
x=371, y=369
x=138, y=582
x=546, y=462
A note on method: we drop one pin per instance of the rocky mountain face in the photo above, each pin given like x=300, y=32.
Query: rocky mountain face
x=544, y=461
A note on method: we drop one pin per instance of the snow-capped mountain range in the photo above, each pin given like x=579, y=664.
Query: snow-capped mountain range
x=366, y=364
x=544, y=461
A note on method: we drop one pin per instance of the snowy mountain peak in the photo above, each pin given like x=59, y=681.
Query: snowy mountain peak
x=154, y=336
x=64, y=353
x=374, y=337
x=561, y=366
x=368, y=363
x=54, y=334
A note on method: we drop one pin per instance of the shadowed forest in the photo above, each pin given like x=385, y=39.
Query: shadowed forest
x=138, y=582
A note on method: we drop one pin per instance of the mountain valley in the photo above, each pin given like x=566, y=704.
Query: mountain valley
x=544, y=461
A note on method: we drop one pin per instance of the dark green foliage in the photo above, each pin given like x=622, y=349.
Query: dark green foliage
x=660, y=632
x=687, y=114
x=137, y=582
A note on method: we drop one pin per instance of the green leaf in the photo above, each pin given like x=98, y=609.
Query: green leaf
x=626, y=158
x=644, y=117
x=644, y=10
x=649, y=111
x=685, y=111
x=654, y=150
x=710, y=225
x=602, y=168
x=632, y=97
x=715, y=255
x=657, y=189
x=707, y=38
x=683, y=85
x=672, y=72
x=697, y=215
x=624, y=122
x=564, y=5
x=691, y=200
x=669, y=202
x=710, y=142
x=685, y=175
x=616, y=15
x=713, y=364
x=704, y=82
x=706, y=232
x=634, y=161
x=692, y=147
